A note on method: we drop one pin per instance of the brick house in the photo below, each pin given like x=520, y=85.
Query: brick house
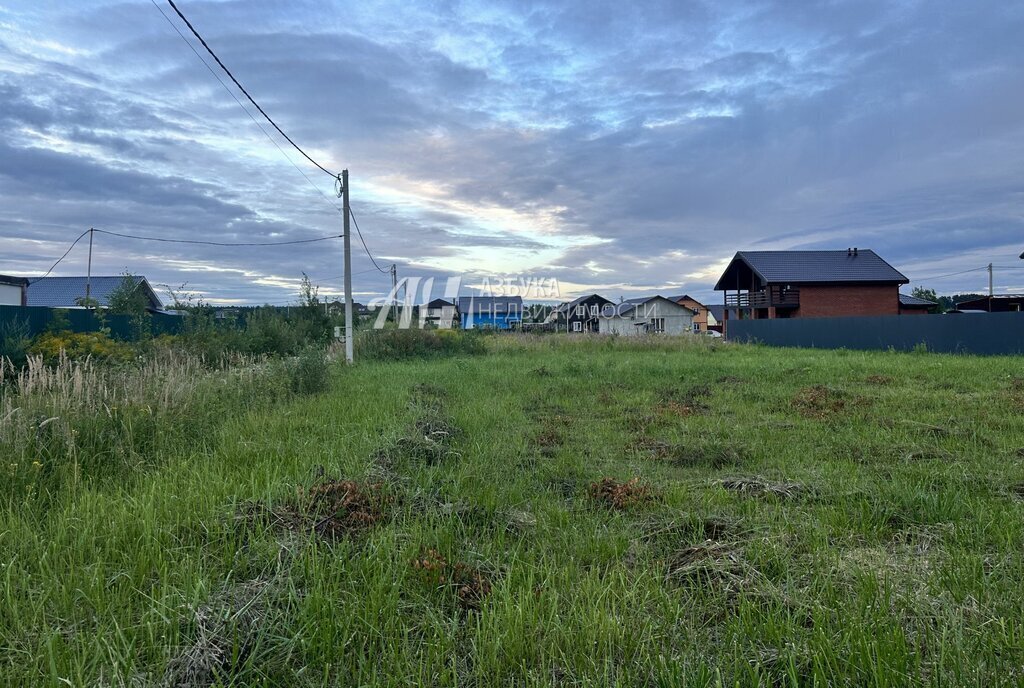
x=703, y=318
x=810, y=284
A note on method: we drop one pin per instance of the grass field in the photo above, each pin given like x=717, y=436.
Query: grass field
x=554, y=512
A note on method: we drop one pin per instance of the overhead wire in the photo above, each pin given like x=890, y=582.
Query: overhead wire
x=336, y=176
x=952, y=274
x=363, y=241
x=191, y=28
x=220, y=243
x=73, y=243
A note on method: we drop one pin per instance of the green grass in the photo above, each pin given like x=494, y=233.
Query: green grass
x=887, y=549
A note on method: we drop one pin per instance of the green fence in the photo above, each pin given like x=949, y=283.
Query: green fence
x=37, y=319
x=968, y=333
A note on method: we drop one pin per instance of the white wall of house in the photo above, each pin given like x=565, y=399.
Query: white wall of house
x=658, y=316
x=10, y=295
x=442, y=318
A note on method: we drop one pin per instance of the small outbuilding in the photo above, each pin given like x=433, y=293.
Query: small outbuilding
x=13, y=291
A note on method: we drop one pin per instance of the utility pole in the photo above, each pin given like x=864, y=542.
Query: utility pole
x=394, y=285
x=348, y=267
x=88, y=272
x=990, y=287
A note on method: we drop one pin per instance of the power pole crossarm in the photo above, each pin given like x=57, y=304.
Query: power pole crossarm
x=348, y=268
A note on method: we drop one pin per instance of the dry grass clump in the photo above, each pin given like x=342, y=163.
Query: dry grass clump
x=708, y=563
x=344, y=507
x=226, y=630
x=613, y=494
x=471, y=585
x=818, y=401
x=877, y=379
x=762, y=487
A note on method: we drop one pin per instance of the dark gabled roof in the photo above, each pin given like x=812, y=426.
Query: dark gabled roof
x=718, y=311
x=629, y=305
x=490, y=304
x=16, y=281
x=569, y=305
x=62, y=292
x=908, y=300
x=807, y=267
x=440, y=303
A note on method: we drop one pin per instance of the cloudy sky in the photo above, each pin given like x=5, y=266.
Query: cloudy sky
x=627, y=148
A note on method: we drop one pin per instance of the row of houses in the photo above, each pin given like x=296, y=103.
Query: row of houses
x=755, y=284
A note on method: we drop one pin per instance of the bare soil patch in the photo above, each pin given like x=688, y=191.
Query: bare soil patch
x=470, y=585
x=613, y=494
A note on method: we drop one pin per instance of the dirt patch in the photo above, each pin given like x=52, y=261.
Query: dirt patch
x=331, y=509
x=612, y=494
x=819, y=401
x=470, y=585
x=760, y=487
x=878, y=379
x=344, y=507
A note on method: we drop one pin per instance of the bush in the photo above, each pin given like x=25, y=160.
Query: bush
x=309, y=372
x=398, y=344
x=77, y=346
x=15, y=341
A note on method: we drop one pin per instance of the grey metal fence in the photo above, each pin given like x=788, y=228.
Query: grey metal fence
x=973, y=333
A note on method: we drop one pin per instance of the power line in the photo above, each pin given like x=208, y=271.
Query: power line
x=952, y=274
x=242, y=89
x=244, y=109
x=63, y=256
x=218, y=243
x=363, y=241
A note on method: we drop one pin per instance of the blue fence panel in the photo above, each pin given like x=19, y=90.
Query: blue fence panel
x=974, y=333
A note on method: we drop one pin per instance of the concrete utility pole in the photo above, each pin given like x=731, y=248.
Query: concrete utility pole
x=88, y=272
x=990, y=291
x=348, y=267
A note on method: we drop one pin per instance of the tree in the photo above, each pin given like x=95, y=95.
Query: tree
x=928, y=295
x=128, y=297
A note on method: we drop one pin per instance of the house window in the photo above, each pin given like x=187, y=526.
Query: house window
x=657, y=325
x=593, y=310
x=696, y=327
x=577, y=326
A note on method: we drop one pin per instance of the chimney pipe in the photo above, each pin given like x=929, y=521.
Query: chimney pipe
x=854, y=250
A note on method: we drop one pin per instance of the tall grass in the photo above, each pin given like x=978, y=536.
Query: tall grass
x=82, y=421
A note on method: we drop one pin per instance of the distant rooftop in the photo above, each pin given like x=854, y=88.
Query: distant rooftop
x=63, y=292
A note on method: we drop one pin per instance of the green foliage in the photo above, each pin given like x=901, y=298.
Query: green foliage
x=928, y=295
x=395, y=344
x=309, y=372
x=128, y=298
x=77, y=346
x=15, y=341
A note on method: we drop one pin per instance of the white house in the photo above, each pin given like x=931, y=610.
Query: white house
x=646, y=315
x=13, y=290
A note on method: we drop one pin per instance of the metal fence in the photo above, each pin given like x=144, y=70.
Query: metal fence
x=969, y=333
x=34, y=320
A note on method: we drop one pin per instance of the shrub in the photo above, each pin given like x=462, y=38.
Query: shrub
x=15, y=341
x=398, y=344
x=77, y=346
x=309, y=372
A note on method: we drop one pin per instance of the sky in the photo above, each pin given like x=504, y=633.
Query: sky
x=622, y=148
